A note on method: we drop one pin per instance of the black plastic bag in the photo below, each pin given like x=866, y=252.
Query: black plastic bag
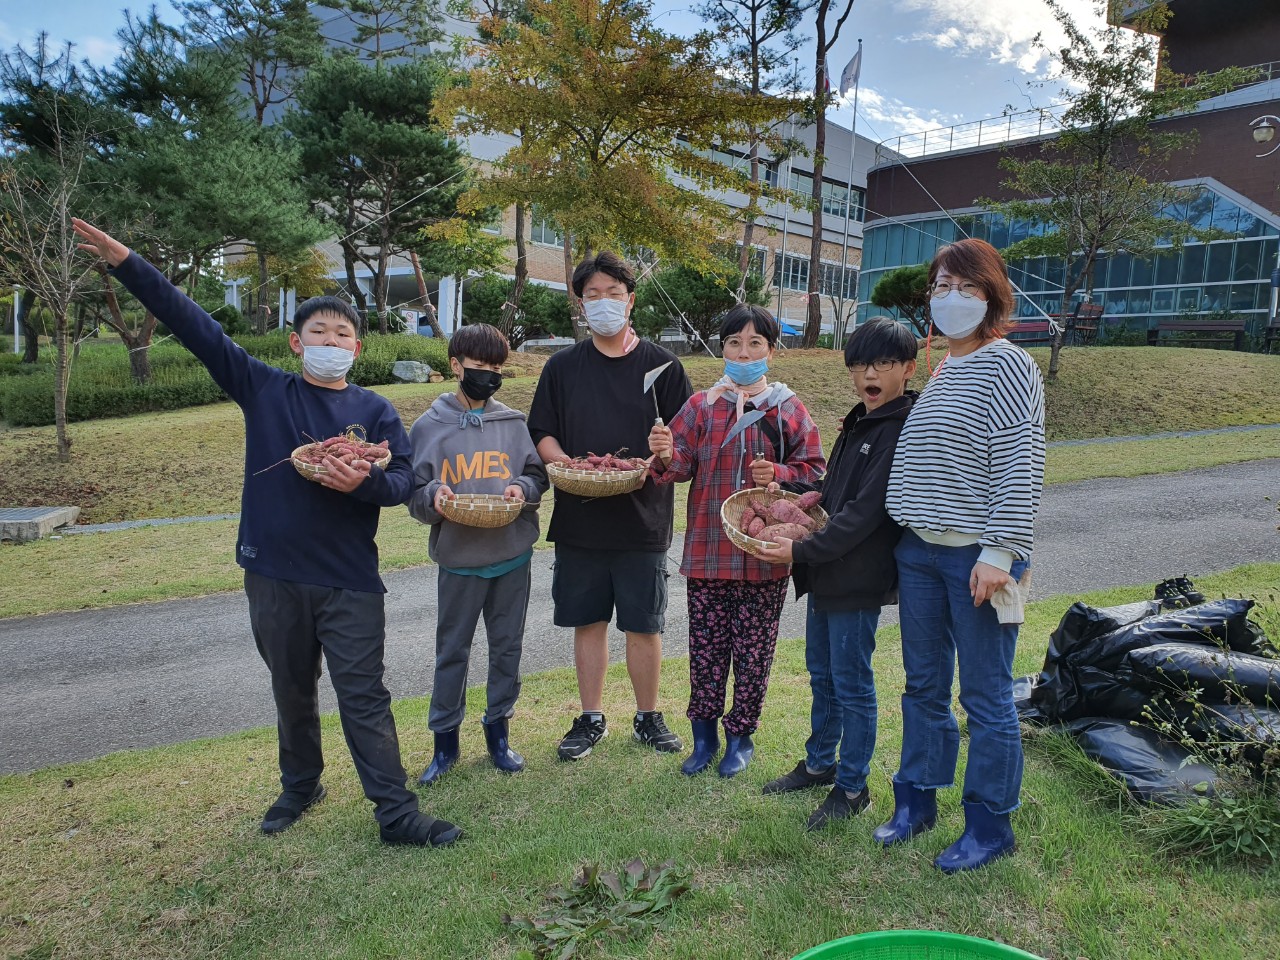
x=1223, y=676
x=1153, y=769
x=1056, y=692
x=1222, y=623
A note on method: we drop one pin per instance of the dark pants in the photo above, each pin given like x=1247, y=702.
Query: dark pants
x=293, y=624
x=503, y=602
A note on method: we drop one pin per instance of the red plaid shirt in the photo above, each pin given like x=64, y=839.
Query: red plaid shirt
x=717, y=472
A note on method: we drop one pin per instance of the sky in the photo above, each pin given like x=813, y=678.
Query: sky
x=926, y=63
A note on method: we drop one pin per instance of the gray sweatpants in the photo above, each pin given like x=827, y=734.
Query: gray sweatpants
x=503, y=602
x=293, y=624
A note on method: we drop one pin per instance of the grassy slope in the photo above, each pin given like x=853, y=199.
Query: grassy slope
x=188, y=462
x=155, y=854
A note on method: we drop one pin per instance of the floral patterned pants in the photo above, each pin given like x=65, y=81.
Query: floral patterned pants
x=732, y=623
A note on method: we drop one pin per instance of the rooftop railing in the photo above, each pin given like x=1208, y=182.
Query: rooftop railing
x=965, y=136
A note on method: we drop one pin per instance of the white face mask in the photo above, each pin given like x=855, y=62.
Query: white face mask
x=327, y=364
x=957, y=316
x=605, y=317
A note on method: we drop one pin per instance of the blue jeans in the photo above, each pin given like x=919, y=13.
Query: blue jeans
x=837, y=650
x=941, y=626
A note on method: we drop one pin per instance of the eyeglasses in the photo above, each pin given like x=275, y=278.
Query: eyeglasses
x=880, y=365
x=968, y=289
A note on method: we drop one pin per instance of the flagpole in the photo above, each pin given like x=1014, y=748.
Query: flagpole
x=839, y=325
x=786, y=210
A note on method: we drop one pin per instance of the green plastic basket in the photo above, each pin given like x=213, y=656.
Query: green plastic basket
x=913, y=945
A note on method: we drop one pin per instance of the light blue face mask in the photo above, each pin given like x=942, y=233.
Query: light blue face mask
x=745, y=374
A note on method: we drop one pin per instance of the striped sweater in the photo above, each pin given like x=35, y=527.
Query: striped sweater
x=970, y=461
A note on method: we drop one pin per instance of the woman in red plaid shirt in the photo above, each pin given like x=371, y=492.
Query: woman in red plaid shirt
x=735, y=600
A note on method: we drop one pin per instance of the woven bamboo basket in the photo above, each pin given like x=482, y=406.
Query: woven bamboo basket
x=731, y=518
x=596, y=483
x=488, y=510
x=314, y=471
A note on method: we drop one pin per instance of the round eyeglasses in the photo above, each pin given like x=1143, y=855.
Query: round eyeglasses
x=968, y=289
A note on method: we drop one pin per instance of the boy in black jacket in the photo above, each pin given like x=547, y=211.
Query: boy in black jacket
x=848, y=570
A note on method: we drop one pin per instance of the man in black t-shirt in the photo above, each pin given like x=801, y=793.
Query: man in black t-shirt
x=611, y=552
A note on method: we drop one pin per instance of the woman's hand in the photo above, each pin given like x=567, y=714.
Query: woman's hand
x=777, y=551
x=985, y=580
x=661, y=443
x=762, y=472
x=104, y=245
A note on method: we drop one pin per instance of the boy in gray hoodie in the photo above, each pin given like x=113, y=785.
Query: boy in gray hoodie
x=469, y=443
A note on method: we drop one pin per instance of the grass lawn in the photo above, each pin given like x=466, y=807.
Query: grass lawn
x=190, y=462
x=155, y=854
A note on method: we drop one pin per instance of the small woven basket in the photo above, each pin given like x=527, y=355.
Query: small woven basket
x=314, y=471
x=596, y=483
x=731, y=518
x=487, y=510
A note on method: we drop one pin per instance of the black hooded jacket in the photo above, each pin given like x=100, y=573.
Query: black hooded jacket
x=849, y=565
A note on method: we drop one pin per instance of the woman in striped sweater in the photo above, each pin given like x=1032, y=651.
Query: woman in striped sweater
x=966, y=484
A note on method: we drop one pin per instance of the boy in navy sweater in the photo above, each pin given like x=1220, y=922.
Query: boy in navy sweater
x=307, y=549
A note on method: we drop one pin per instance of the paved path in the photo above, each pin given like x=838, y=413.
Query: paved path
x=79, y=685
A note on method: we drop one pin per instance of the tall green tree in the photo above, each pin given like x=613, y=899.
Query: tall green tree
x=190, y=172
x=608, y=108
x=271, y=44
x=829, y=20
x=375, y=160
x=1098, y=187
x=756, y=39
x=906, y=290
x=389, y=29
x=693, y=300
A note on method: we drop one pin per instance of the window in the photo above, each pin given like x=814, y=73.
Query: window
x=1192, y=264
x=1219, y=269
x=544, y=232
x=829, y=283
x=793, y=275
x=755, y=263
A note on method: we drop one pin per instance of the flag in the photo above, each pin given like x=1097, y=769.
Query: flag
x=826, y=78
x=849, y=76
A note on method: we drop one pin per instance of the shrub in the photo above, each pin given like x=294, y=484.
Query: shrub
x=28, y=401
x=373, y=366
x=230, y=319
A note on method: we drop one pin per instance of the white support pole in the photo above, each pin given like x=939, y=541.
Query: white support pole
x=290, y=305
x=280, y=307
x=786, y=219
x=447, y=294
x=17, y=306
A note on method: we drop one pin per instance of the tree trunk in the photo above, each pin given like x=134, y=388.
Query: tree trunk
x=748, y=229
x=353, y=287
x=31, y=348
x=61, y=375
x=79, y=332
x=576, y=316
x=261, y=297
x=380, y=284
x=522, y=277
x=432, y=317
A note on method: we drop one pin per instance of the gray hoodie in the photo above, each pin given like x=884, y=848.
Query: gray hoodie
x=478, y=451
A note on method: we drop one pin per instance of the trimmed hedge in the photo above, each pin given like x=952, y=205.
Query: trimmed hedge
x=101, y=385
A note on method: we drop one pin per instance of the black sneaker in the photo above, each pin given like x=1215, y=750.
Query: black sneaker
x=1188, y=590
x=651, y=729
x=416, y=829
x=838, y=806
x=801, y=779
x=585, y=733
x=284, y=813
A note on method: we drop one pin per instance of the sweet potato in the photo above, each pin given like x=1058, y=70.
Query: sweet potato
x=809, y=500
x=784, y=511
x=755, y=526
x=748, y=514
x=792, y=531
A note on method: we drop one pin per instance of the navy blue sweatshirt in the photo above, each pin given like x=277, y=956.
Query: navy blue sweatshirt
x=290, y=528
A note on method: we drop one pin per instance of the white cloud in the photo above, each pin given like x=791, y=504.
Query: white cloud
x=1000, y=30
x=884, y=117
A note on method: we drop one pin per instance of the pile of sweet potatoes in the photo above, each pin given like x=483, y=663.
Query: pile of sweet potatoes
x=609, y=462
x=767, y=519
x=342, y=447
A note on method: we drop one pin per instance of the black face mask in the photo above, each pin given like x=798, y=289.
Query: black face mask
x=480, y=385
